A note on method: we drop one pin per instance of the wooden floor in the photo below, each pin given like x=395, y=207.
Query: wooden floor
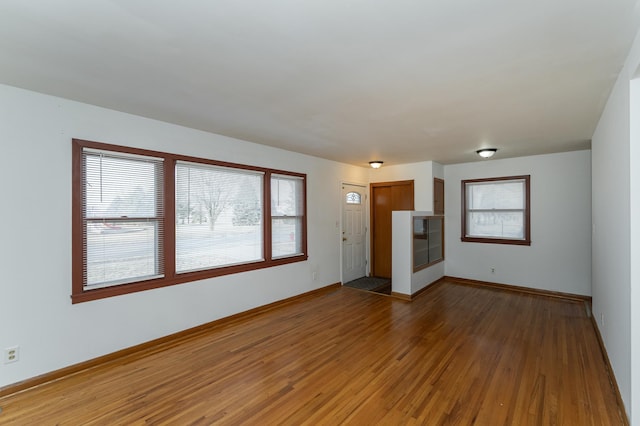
x=455, y=355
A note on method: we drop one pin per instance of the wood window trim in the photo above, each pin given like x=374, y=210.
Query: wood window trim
x=526, y=241
x=79, y=294
x=438, y=195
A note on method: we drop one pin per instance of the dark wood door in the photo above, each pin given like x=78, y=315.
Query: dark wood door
x=385, y=198
x=381, y=236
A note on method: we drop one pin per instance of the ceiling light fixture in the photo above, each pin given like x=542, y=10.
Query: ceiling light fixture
x=486, y=152
x=376, y=164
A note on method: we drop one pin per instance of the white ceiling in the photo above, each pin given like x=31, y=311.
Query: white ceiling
x=348, y=80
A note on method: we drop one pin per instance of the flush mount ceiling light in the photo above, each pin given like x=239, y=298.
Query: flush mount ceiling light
x=376, y=164
x=486, y=152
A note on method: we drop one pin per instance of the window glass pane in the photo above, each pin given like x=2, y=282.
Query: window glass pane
x=496, y=224
x=287, y=211
x=119, y=252
x=286, y=196
x=496, y=195
x=287, y=236
x=353, y=198
x=122, y=209
x=218, y=216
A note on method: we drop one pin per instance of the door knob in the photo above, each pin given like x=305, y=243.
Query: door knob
x=344, y=239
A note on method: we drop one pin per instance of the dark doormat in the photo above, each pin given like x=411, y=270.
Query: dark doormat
x=375, y=284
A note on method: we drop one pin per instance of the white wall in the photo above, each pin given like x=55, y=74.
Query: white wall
x=559, y=258
x=35, y=251
x=615, y=181
x=422, y=175
x=438, y=172
x=634, y=235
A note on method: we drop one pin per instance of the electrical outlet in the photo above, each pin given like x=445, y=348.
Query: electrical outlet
x=314, y=275
x=493, y=270
x=11, y=354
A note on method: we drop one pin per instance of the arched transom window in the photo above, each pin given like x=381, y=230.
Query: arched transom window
x=353, y=198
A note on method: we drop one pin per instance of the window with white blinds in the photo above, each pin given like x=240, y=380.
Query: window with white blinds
x=287, y=214
x=218, y=216
x=496, y=210
x=122, y=218
x=145, y=219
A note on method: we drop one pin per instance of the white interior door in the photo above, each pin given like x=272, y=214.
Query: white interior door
x=353, y=232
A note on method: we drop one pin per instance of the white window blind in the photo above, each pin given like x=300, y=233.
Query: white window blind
x=219, y=217
x=123, y=210
x=287, y=214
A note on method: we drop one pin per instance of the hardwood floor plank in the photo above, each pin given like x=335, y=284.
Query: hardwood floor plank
x=458, y=354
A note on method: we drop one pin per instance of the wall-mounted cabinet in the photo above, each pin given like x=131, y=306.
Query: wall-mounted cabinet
x=428, y=241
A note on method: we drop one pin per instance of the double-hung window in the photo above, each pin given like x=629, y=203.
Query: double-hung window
x=146, y=219
x=122, y=218
x=287, y=215
x=496, y=210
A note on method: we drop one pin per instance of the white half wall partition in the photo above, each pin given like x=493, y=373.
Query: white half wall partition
x=404, y=280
